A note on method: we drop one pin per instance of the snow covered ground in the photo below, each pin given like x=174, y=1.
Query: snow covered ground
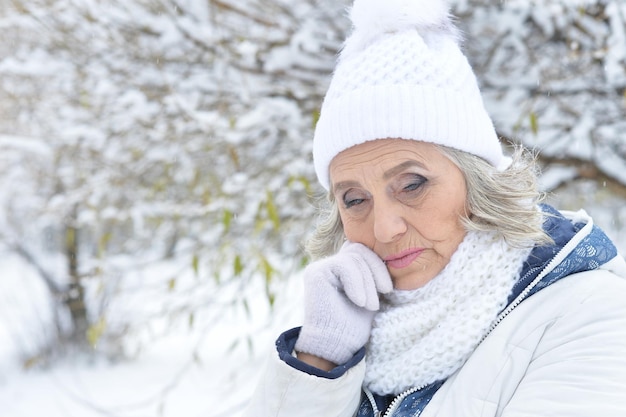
x=187, y=373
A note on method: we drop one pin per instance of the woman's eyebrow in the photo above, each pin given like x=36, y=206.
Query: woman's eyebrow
x=387, y=175
x=343, y=185
x=402, y=167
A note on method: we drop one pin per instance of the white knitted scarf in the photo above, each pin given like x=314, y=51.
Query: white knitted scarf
x=425, y=335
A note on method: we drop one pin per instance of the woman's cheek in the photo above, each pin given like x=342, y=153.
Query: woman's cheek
x=358, y=232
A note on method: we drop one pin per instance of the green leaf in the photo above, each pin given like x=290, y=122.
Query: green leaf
x=268, y=272
x=316, y=117
x=237, y=266
x=534, y=125
x=258, y=225
x=271, y=298
x=95, y=331
x=227, y=219
x=272, y=212
x=103, y=242
x=302, y=180
x=194, y=264
x=258, y=218
x=70, y=237
x=268, y=269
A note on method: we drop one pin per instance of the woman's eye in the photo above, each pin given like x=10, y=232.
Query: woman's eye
x=415, y=182
x=351, y=199
x=354, y=202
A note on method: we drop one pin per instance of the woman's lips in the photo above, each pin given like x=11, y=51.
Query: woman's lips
x=402, y=259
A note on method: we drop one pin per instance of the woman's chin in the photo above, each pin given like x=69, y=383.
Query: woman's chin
x=410, y=280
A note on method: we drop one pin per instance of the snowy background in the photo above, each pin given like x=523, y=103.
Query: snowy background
x=157, y=181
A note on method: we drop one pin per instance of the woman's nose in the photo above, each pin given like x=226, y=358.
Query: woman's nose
x=389, y=224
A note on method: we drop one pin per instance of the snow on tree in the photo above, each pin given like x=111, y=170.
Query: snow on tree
x=553, y=74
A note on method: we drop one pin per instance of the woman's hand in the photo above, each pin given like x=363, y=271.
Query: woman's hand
x=341, y=298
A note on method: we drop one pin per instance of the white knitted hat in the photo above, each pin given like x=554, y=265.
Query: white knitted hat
x=401, y=74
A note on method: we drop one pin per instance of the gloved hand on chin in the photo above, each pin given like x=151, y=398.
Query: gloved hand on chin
x=341, y=298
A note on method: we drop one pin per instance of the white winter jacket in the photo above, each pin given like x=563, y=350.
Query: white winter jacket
x=561, y=352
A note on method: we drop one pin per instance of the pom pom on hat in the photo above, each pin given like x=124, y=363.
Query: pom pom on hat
x=401, y=74
x=394, y=15
x=373, y=18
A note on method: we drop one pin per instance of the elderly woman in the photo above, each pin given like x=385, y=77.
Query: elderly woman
x=441, y=287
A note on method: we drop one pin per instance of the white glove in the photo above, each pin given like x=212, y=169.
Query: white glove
x=341, y=298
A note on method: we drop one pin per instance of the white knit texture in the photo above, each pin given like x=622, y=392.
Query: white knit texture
x=425, y=335
x=373, y=18
x=410, y=81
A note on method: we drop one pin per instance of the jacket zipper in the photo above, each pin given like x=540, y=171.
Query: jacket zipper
x=370, y=397
x=394, y=404
x=399, y=398
x=396, y=401
x=557, y=259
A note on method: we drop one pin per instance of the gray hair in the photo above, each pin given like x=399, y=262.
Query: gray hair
x=498, y=201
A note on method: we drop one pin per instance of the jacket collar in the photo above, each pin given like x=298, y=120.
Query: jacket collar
x=578, y=246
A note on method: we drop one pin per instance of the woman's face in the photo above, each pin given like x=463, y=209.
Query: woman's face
x=404, y=200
